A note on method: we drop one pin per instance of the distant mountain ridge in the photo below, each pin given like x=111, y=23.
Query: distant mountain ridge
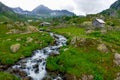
x=43, y=11
x=20, y=11
x=114, y=10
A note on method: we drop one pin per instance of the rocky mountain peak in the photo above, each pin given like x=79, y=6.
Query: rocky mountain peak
x=41, y=8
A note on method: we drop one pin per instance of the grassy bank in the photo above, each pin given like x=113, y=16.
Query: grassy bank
x=28, y=41
x=87, y=59
x=39, y=40
x=7, y=76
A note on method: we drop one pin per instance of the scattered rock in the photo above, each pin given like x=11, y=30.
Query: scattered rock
x=21, y=24
x=18, y=72
x=14, y=48
x=54, y=53
x=38, y=42
x=32, y=29
x=89, y=31
x=71, y=77
x=27, y=78
x=103, y=31
x=35, y=66
x=87, y=77
x=87, y=24
x=102, y=48
x=14, y=31
x=23, y=65
x=22, y=57
x=118, y=77
x=29, y=39
x=113, y=50
x=47, y=78
x=66, y=49
x=18, y=39
x=81, y=42
x=117, y=59
x=22, y=73
x=9, y=26
x=8, y=39
x=3, y=67
x=58, y=78
x=78, y=41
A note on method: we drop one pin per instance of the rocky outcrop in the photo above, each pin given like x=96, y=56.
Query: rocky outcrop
x=118, y=77
x=32, y=29
x=117, y=59
x=83, y=42
x=15, y=47
x=29, y=39
x=14, y=31
x=87, y=77
x=102, y=48
x=4, y=67
x=83, y=77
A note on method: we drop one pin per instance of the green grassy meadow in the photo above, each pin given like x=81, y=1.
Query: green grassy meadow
x=86, y=59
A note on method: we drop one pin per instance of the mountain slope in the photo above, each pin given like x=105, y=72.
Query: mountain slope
x=20, y=11
x=114, y=10
x=7, y=14
x=41, y=10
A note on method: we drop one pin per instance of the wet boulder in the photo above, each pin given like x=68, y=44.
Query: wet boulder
x=27, y=78
x=22, y=73
x=3, y=67
x=54, y=53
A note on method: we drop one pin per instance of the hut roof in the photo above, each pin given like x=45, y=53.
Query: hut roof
x=100, y=21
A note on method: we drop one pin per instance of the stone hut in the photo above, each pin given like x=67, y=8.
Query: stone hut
x=98, y=23
x=45, y=24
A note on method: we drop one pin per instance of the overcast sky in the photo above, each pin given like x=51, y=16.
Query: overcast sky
x=80, y=7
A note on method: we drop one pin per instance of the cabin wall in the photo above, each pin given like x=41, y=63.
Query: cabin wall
x=97, y=24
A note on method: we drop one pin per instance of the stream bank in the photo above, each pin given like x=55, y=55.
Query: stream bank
x=34, y=67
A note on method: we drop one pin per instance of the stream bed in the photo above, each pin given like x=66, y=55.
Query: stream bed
x=34, y=67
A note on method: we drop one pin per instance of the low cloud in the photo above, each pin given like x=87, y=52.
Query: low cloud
x=80, y=7
x=92, y=6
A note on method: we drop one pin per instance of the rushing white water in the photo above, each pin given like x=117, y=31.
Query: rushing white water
x=35, y=66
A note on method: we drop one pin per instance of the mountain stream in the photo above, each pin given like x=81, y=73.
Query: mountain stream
x=34, y=67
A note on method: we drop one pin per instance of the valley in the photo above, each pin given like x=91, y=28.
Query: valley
x=77, y=49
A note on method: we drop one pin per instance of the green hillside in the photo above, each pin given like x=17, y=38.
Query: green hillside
x=82, y=56
x=6, y=14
